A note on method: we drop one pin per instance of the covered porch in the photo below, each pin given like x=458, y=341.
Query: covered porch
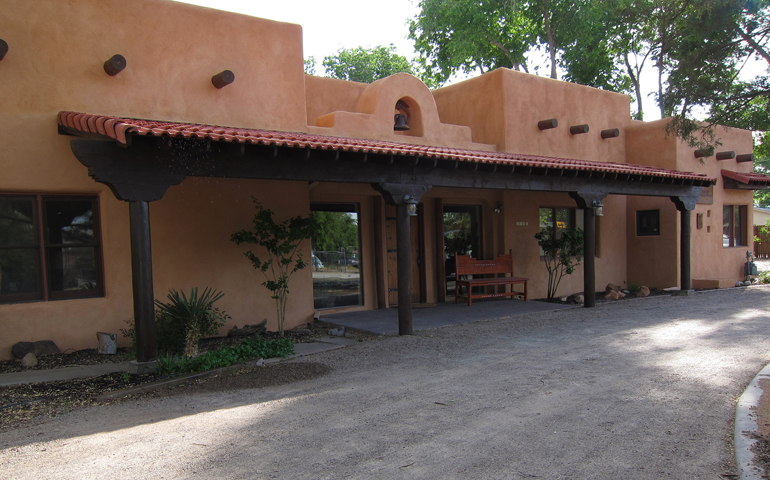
x=385, y=321
x=140, y=159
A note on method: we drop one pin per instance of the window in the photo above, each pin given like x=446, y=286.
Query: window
x=564, y=218
x=50, y=248
x=336, y=256
x=734, y=226
x=647, y=223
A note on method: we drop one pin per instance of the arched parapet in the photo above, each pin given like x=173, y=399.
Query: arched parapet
x=398, y=94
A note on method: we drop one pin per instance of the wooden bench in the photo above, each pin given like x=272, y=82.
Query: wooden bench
x=503, y=264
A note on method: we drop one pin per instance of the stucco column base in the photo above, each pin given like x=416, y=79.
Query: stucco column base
x=142, y=368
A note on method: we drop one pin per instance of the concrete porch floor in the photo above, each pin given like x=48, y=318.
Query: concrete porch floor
x=385, y=322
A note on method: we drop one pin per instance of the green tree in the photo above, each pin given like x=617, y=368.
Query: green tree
x=310, y=64
x=366, y=64
x=559, y=253
x=335, y=230
x=281, y=242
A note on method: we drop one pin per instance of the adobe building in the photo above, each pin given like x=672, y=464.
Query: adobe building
x=136, y=134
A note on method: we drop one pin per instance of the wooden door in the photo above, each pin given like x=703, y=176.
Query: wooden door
x=392, y=263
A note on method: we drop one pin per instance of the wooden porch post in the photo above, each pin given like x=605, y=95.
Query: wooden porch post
x=402, y=196
x=685, y=205
x=141, y=280
x=404, y=261
x=588, y=201
x=138, y=180
x=589, y=252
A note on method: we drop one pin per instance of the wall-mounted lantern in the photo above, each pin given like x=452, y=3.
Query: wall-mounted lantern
x=725, y=155
x=598, y=208
x=746, y=157
x=115, y=65
x=223, y=78
x=411, y=205
x=578, y=129
x=610, y=133
x=3, y=48
x=547, y=124
x=499, y=207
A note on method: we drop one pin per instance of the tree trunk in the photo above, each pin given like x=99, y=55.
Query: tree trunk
x=551, y=41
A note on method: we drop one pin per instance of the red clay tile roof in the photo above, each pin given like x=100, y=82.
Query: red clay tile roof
x=748, y=178
x=117, y=128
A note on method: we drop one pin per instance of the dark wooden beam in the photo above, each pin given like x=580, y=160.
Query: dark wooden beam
x=589, y=257
x=141, y=281
x=147, y=165
x=685, y=205
x=725, y=155
x=403, y=195
x=380, y=267
x=547, y=124
x=439, y=248
x=578, y=129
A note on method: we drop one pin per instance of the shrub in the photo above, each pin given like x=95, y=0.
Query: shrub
x=559, y=254
x=634, y=287
x=194, y=317
x=169, y=364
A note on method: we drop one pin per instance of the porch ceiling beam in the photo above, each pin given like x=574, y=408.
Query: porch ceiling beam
x=144, y=163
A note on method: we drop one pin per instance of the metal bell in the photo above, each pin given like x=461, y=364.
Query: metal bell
x=400, y=123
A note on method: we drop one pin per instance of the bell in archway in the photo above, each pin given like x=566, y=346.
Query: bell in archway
x=400, y=123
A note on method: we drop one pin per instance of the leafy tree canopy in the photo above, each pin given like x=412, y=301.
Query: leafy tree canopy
x=366, y=64
x=335, y=231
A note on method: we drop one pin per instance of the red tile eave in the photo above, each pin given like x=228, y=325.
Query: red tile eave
x=751, y=178
x=117, y=128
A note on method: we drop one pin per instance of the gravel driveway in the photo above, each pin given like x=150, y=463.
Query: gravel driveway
x=636, y=389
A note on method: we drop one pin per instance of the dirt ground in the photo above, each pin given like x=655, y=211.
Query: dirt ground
x=635, y=390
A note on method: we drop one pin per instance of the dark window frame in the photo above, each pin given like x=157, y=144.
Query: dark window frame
x=44, y=247
x=647, y=231
x=732, y=239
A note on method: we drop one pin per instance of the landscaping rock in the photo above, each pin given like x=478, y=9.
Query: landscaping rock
x=29, y=360
x=564, y=299
x=643, y=292
x=626, y=292
x=612, y=286
x=579, y=298
x=738, y=284
x=248, y=330
x=40, y=348
x=337, y=332
x=611, y=294
x=621, y=294
x=108, y=343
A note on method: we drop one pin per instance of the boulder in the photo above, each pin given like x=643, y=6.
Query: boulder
x=29, y=360
x=611, y=295
x=564, y=299
x=621, y=294
x=579, y=298
x=248, y=330
x=738, y=284
x=612, y=286
x=40, y=348
x=643, y=292
x=108, y=343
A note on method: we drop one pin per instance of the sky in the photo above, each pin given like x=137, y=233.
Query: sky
x=329, y=25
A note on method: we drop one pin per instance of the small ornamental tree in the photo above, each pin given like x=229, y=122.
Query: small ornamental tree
x=559, y=254
x=281, y=242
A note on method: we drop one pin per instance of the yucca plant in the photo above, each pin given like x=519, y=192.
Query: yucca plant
x=195, y=313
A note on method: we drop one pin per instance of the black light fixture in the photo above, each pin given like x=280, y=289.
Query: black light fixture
x=499, y=207
x=3, y=48
x=598, y=208
x=411, y=205
x=115, y=65
x=401, y=121
x=223, y=78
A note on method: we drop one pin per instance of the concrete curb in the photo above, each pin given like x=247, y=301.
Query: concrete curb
x=64, y=373
x=746, y=424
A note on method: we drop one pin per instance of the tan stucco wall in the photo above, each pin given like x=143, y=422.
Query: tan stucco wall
x=523, y=207
x=56, y=52
x=517, y=101
x=654, y=261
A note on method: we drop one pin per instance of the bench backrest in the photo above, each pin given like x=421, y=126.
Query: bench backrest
x=467, y=265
